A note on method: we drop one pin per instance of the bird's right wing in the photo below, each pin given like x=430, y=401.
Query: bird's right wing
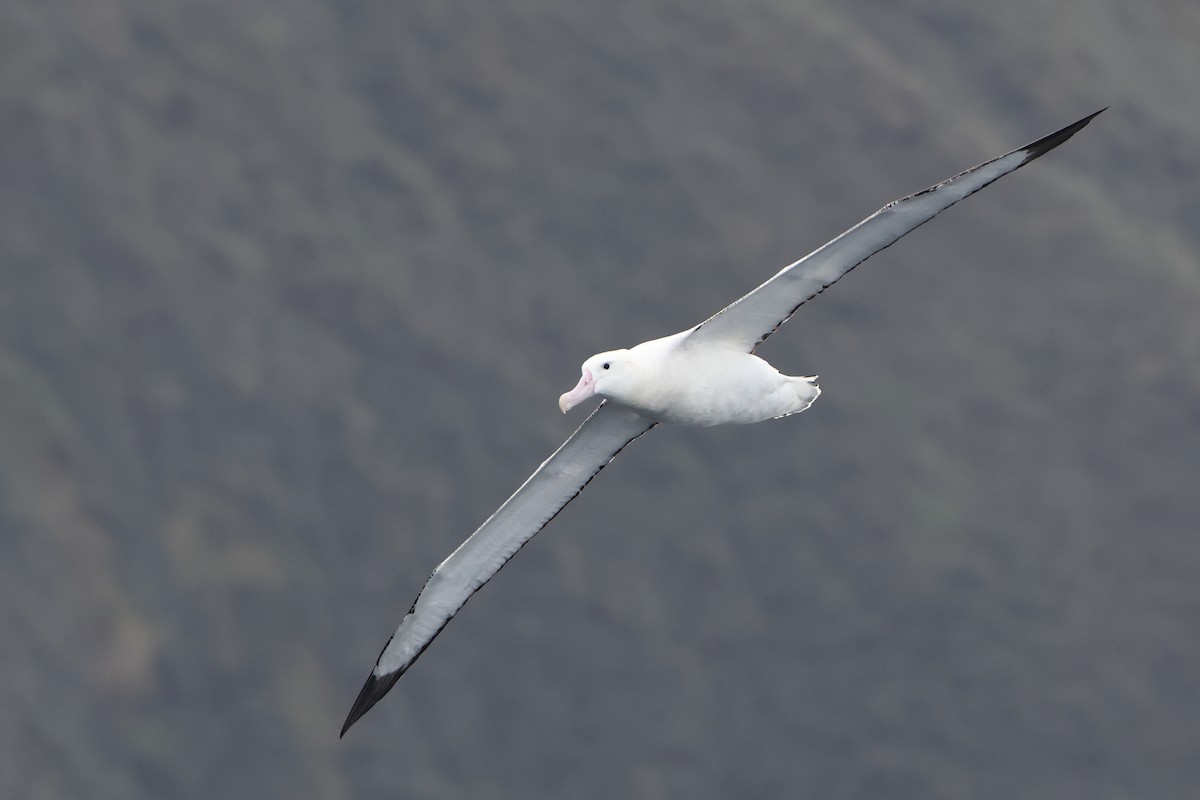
x=546, y=492
x=745, y=323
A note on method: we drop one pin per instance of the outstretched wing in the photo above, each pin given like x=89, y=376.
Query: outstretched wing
x=747, y=322
x=546, y=492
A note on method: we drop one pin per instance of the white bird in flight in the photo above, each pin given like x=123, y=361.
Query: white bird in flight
x=705, y=375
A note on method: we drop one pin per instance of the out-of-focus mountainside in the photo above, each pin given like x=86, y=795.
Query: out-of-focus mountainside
x=288, y=293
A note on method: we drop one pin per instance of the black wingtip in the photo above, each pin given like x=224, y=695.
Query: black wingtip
x=375, y=688
x=1048, y=143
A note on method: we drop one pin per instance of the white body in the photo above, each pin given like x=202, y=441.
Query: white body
x=675, y=379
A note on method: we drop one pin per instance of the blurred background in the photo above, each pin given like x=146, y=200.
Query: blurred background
x=289, y=293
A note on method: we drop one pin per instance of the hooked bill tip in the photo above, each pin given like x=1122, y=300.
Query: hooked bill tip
x=582, y=391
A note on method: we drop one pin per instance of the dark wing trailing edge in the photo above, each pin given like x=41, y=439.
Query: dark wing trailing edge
x=546, y=492
x=747, y=322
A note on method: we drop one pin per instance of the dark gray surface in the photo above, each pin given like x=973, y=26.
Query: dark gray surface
x=289, y=293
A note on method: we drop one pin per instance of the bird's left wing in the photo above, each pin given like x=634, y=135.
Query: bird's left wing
x=554, y=484
x=745, y=323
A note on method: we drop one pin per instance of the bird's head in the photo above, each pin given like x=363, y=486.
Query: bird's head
x=604, y=375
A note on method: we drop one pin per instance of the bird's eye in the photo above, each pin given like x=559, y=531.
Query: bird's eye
x=605, y=365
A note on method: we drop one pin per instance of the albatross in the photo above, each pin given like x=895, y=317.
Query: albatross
x=705, y=375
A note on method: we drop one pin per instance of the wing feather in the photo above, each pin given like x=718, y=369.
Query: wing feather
x=746, y=322
x=547, y=491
